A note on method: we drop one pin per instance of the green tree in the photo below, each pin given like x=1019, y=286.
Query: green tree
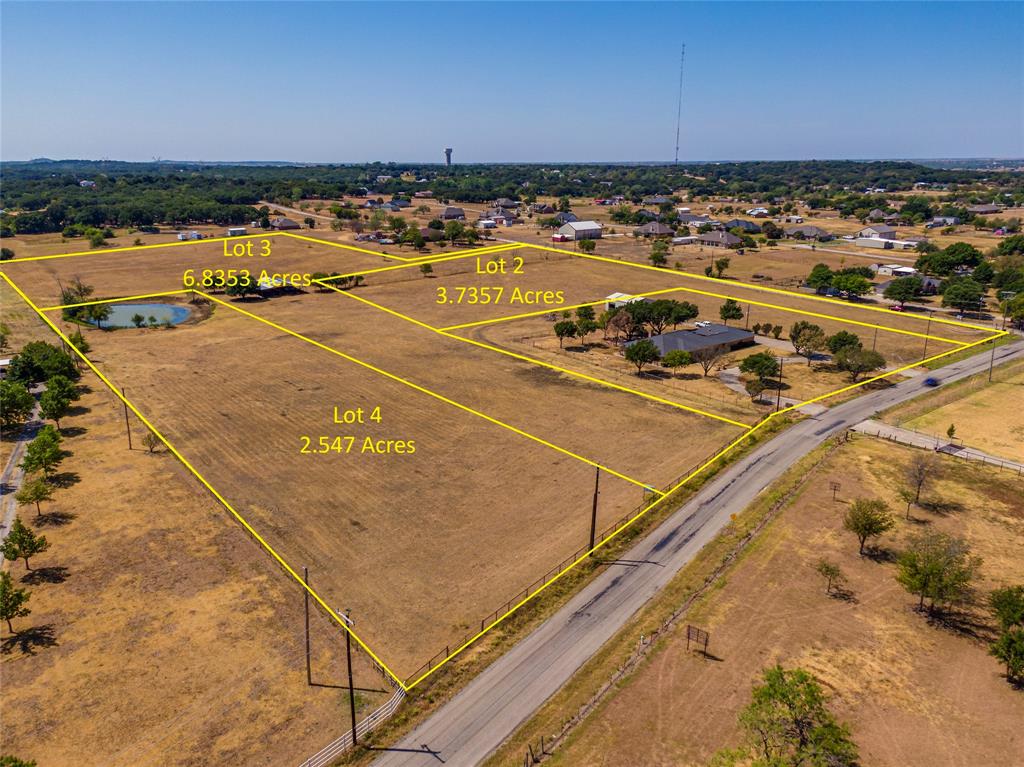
x=39, y=361
x=79, y=342
x=426, y=270
x=682, y=311
x=6, y=254
x=867, y=518
x=755, y=388
x=659, y=253
x=43, y=453
x=16, y=404
x=820, y=277
x=12, y=602
x=831, y=572
x=1007, y=605
x=53, y=406
x=642, y=353
x=454, y=230
x=854, y=284
x=23, y=543
x=842, y=340
x=587, y=246
x=676, y=358
x=585, y=313
x=34, y=491
x=964, y=294
x=721, y=264
x=5, y=333
x=787, y=724
x=807, y=339
x=857, y=362
x=1009, y=648
x=565, y=329
x=937, y=567
x=309, y=221
x=64, y=387
x=150, y=441
x=97, y=314
x=138, y=320
x=730, y=310
x=763, y=364
x=903, y=289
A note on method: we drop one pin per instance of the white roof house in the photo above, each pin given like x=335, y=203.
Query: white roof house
x=581, y=230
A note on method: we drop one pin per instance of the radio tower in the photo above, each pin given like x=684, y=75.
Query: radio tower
x=679, y=108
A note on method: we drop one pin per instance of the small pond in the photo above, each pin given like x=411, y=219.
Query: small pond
x=121, y=314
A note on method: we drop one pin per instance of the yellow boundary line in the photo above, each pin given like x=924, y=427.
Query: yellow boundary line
x=583, y=557
x=763, y=288
x=541, y=363
x=424, y=390
x=223, y=501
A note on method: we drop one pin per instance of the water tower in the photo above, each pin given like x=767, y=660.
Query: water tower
x=448, y=157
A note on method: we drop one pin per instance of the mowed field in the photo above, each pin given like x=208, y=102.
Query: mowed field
x=391, y=536
x=987, y=415
x=912, y=693
x=160, y=634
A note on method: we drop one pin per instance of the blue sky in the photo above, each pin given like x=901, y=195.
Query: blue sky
x=506, y=81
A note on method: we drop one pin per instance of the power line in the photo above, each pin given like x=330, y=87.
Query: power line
x=679, y=108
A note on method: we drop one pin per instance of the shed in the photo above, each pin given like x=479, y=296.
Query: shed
x=236, y=231
x=581, y=230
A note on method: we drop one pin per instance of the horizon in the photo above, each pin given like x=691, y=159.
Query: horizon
x=787, y=83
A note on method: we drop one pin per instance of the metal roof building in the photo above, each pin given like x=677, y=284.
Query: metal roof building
x=708, y=337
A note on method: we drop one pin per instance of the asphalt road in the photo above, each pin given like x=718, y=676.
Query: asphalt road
x=476, y=721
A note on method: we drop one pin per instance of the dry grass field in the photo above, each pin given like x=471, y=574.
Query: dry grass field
x=236, y=396
x=984, y=413
x=913, y=693
x=160, y=634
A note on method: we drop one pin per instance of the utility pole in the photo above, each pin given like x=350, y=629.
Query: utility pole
x=593, y=511
x=351, y=687
x=778, y=393
x=305, y=591
x=127, y=423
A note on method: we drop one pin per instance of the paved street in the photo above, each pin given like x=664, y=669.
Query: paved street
x=477, y=720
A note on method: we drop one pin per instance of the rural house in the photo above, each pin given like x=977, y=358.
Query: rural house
x=283, y=223
x=653, y=229
x=882, y=231
x=505, y=202
x=713, y=336
x=808, y=233
x=542, y=208
x=719, y=239
x=565, y=218
x=693, y=220
x=983, y=210
x=656, y=200
x=747, y=226
x=581, y=230
x=452, y=214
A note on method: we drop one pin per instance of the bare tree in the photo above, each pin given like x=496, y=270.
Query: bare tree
x=921, y=467
x=707, y=358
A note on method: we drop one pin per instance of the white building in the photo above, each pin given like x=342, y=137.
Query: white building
x=615, y=300
x=236, y=231
x=581, y=230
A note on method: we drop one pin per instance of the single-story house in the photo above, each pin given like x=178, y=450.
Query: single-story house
x=283, y=223
x=236, y=231
x=370, y=204
x=505, y=202
x=657, y=199
x=884, y=231
x=391, y=207
x=647, y=214
x=615, y=300
x=747, y=226
x=399, y=202
x=719, y=239
x=432, y=235
x=893, y=270
x=581, y=230
x=712, y=336
x=452, y=214
x=983, y=210
x=653, y=229
x=877, y=214
x=565, y=218
x=808, y=233
x=542, y=208
x=938, y=221
x=758, y=212
x=693, y=220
